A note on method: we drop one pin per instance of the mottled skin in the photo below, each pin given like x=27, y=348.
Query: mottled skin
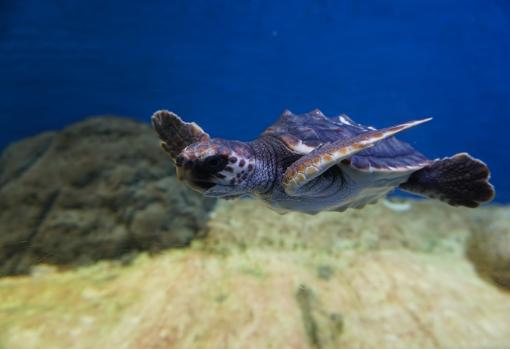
x=312, y=163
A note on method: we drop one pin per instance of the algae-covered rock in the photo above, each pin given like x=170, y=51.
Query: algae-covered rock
x=489, y=246
x=98, y=189
x=423, y=226
x=372, y=279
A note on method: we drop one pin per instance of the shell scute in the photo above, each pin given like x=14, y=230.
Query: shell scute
x=305, y=132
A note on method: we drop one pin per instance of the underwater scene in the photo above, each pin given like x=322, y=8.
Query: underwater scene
x=313, y=174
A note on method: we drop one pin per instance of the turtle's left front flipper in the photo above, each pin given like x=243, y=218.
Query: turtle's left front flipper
x=175, y=134
x=321, y=159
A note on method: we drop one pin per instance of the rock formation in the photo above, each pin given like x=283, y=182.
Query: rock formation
x=98, y=189
x=372, y=279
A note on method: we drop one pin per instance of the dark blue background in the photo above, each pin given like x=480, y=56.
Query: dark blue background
x=233, y=66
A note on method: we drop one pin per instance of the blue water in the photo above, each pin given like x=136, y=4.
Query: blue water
x=233, y=66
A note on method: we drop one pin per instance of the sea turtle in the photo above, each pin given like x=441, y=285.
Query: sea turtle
x=312, y=163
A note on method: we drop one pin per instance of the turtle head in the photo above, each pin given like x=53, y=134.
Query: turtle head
x=216, y=167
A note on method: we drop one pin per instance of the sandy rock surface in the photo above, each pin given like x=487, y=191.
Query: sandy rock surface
x=375, y=278
x=489, y=245
x=100, y=188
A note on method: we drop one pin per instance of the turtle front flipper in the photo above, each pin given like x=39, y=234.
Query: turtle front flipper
x=322, y=158
x=175, y=134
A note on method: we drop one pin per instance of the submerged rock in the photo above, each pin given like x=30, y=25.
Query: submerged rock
x=260, y=280
x=426, y=226
x=489, y=246
x=98, y=189
x=481, y=235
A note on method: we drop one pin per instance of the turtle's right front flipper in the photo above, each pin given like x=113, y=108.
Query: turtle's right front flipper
x=322, y=158
x=175, y=134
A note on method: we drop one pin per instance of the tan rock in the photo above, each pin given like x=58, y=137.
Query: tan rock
x=489, y=246
x=367, y=279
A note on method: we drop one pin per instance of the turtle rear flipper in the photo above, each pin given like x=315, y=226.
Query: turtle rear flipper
x=459, y=181
x=175, y=134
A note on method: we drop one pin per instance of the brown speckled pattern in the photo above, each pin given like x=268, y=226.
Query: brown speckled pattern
x=239, y=165
x=202, y=150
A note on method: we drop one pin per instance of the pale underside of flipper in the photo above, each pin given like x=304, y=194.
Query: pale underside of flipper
x=318, y=161
x=175, y=134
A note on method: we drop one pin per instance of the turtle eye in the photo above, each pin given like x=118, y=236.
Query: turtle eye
x=214, y=163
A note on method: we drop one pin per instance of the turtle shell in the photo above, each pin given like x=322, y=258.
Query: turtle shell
x=305, y=132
